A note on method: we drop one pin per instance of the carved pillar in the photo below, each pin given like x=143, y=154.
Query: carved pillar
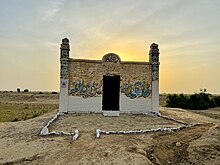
x=64, y=75
x=154, y=59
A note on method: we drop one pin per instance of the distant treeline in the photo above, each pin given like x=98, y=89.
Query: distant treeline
x=196, y=101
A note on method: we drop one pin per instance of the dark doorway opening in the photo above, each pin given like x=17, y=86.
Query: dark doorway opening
x=110, y=96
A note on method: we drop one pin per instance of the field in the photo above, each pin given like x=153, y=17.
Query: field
x=22, y=106
x=20, y=142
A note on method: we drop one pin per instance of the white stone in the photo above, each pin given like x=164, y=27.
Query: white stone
x=178, y=144
x=110, y=113
x=53, y=132
x=44, y=131
x=98, y=134
x=76, y=136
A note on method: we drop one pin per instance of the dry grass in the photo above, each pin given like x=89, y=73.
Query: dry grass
x=23, y=111
x=163, y=100
x=16, y=106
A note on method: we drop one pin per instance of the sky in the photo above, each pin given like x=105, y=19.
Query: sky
x=187, y=31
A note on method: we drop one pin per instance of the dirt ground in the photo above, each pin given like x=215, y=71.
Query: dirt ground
x=20, y=142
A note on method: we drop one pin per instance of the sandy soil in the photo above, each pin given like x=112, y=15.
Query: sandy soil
x=20, y=142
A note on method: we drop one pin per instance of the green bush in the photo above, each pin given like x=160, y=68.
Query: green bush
x=18, y=90
x=177, y=101
x=26, y=90
x=217, y=100
x=196, y=101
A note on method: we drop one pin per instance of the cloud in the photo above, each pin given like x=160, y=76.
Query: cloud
x=53, y=7
x=32, y=30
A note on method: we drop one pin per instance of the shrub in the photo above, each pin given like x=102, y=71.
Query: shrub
x=18, y=90
x=196, y=101
x=217, y=100
x=177, y=101
x=26, y=90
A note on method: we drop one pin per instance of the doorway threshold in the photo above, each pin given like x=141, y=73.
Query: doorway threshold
x=110, y=113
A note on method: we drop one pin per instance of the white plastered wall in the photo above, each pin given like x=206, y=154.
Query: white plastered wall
x=94, y=104
x=63, y=101
x=137, y=105
x=155, y=96
x=80, y=104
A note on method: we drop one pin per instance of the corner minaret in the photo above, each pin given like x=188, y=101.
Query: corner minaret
x=154, y=59
x=64, y=75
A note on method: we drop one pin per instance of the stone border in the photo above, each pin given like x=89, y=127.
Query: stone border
x=168, y=129
x=172, y=119
x=75, y=134
x=45, y=130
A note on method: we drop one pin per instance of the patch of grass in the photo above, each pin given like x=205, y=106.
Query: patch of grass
x=11, y=112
